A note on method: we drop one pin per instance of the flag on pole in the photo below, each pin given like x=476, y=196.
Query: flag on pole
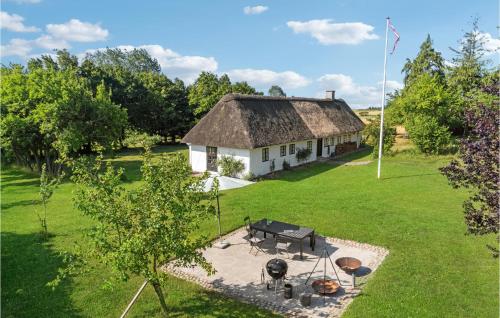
x=396, y=35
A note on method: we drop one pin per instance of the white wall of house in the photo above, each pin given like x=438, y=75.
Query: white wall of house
x=259, y=167
x=238, y=154
x=252, y=158
x=198, y=158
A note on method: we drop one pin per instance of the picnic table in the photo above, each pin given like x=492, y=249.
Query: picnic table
x=287, y=231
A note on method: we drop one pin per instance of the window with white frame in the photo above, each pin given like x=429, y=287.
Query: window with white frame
x=310, y=145
x=291, y=149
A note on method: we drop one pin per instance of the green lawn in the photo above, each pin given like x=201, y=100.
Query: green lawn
x=433, y=269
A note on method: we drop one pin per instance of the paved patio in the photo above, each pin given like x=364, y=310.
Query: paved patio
x=239, y=273
x=226, y=183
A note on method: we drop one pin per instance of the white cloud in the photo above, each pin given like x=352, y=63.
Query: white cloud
x=263, y=79
x=48, y=42
x=16, y=47
x=491, y=44
x=328, y=33
x=15, y=23
x=392, y=85
x=173, y=64
x=58, y=36
x=77, y=31
x=358, y=96
x=255, y=9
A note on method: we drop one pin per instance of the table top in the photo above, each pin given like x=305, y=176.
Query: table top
x=282, y=229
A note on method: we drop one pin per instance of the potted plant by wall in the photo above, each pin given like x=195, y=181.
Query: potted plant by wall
x=230, y=166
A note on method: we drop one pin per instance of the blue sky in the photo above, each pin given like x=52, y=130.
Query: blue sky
x=303, y=46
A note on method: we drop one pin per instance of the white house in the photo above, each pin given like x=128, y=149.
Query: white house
x=263, y=131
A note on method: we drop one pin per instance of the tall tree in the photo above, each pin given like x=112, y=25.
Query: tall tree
x=206, y=91
x=427, y=107
x=469, y=66
x=427, y=61
x=477, y=168
x=139, y=230
x=275, y=90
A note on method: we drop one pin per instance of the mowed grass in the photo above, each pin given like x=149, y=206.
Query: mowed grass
x=433, y=269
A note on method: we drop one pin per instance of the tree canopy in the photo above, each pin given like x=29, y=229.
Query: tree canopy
x=427, y=61
x=50, y=112
x=275, y=90
x=209, y=88
x=155, y=104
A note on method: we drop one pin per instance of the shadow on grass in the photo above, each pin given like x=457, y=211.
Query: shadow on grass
x=217, y=305
x=27, y=265
x=186, y=299
x=412, y=176
x=311, y=169
x=6, y=206
x=25, y=183
x=132, y=169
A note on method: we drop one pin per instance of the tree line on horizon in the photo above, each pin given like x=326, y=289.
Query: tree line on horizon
x=58, y=106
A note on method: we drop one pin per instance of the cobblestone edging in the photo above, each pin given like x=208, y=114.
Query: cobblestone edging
x=344, y=300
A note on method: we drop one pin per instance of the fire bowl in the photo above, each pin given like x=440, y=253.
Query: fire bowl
x=325, y=287
x=348, y=264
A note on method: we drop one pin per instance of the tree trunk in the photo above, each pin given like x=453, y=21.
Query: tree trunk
x=159, y=293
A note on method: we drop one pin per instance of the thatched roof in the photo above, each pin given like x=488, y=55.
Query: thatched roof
x=249, y=121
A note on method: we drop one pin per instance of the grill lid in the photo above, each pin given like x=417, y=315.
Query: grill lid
x=276, y=268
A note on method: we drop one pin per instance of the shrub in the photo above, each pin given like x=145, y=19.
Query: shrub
x=230, y=166
x=286, y=165
x=273, y=166
x=303, y=154
x=428, y=135
x=249, y=176
x=372, y=133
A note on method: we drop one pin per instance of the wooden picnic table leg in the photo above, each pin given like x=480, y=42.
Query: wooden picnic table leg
x=312, y=240
x=301, y=248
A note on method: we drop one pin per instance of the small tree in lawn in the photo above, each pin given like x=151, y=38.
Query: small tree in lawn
x=138, y=230
x=478, y=170
x=47, y=187
x=372, y=133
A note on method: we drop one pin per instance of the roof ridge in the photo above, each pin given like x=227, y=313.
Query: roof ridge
x=237, y=96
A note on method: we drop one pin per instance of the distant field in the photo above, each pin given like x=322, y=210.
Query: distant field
x=367, y=114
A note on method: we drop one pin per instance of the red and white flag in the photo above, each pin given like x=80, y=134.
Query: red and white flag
x=396, y=36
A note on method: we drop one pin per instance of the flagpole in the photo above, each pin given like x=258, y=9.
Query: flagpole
x=381, y=137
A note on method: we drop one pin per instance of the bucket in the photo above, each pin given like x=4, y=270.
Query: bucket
x=305, y=299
